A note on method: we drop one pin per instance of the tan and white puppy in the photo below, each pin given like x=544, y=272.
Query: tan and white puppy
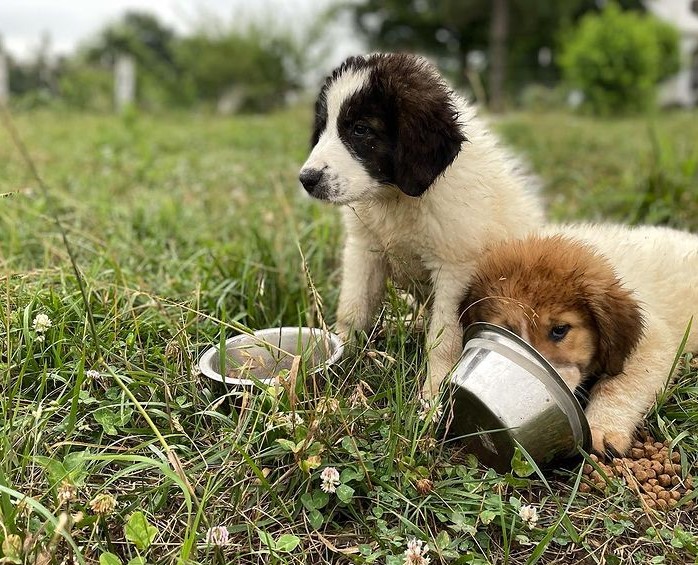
x=608, y=306
x=423, y=187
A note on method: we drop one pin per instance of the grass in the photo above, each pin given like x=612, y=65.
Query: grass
x=188, y=229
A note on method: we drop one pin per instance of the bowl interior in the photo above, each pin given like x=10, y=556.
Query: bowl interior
x=263, y=355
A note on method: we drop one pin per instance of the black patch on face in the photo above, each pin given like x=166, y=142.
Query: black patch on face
x=320, y=121
x=402, y=126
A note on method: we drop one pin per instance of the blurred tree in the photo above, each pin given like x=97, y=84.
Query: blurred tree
x=249, y=70
x=152, y=45
x=513, y=32
x=617, y=58
x=139, y=34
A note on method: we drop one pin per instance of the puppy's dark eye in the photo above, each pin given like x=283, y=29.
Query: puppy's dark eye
x=558, y=333
x=361, y=130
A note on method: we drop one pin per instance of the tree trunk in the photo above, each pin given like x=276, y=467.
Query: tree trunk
x=499, y=29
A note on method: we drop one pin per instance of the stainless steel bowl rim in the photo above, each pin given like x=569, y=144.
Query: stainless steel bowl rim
x=580, y=426
x=206, y=358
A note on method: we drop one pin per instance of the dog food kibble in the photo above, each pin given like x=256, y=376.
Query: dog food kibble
x=651, y=469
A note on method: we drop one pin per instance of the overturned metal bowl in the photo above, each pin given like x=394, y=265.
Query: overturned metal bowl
x=261, y=356
x=503, y=393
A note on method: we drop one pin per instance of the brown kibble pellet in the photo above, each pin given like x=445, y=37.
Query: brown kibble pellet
x=594, y=457
x=587, y=469
x=659, y=457
x=657, y=467
x=689, y=481
x=652, y=482
x=658, y=489
x=644, y=462
x=649, y=440
x=672, y=503
x=647, y=488
x=675, y=494
x=662, y=504
x=669, y=469
x=650, y=450
x=637, y=453
x=652, y=495
x=584, y=487
x=675, y=480
x=664, y=480
x=637, y=444
x=664, y=495
x=676, y=457
x=651, y=473
x=659, y=444
x=595, y=476
x=641, y=476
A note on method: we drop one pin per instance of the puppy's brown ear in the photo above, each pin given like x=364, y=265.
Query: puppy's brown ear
x=619, y=320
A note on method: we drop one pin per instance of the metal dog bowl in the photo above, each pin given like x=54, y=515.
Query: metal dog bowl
x=503, y=392
x=261, y=356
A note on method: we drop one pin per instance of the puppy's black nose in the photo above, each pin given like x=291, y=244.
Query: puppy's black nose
x=310, y=178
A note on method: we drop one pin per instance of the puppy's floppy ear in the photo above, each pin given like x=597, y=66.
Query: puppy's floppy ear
x=620, y=323
x=428, y=135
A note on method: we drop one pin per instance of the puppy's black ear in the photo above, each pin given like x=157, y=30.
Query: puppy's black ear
x=620, y=323
x=428, y=140
x=429, y=135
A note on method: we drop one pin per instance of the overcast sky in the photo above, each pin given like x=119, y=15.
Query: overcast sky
x=69, y=22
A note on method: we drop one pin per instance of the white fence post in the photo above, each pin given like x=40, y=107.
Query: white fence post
x=4, y=79
x=124, y=81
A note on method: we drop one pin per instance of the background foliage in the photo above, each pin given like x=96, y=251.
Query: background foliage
x=617, y=58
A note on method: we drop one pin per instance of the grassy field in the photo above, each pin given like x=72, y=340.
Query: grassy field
x=188, y=229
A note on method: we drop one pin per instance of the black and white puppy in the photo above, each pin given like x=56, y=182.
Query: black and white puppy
x=424, y=188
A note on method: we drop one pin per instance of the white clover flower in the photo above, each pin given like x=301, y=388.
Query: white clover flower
x=92, y=374
x=426, y=410
x=103, y=504
x=416, y=551
x=41, y=323
x=218, y=536
x=286, y=420
x=40, y=338
x=66, y=492
x=529, y=515
x=330, y=479
x=327, y=405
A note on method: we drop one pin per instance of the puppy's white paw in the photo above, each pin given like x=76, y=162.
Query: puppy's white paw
x=344, y=333
x=436, y=373
x=430, y=389
x=612, y=442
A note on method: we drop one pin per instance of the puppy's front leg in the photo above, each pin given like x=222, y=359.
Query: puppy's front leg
x=618, y=404
x=445, y=336
x=364, y=271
